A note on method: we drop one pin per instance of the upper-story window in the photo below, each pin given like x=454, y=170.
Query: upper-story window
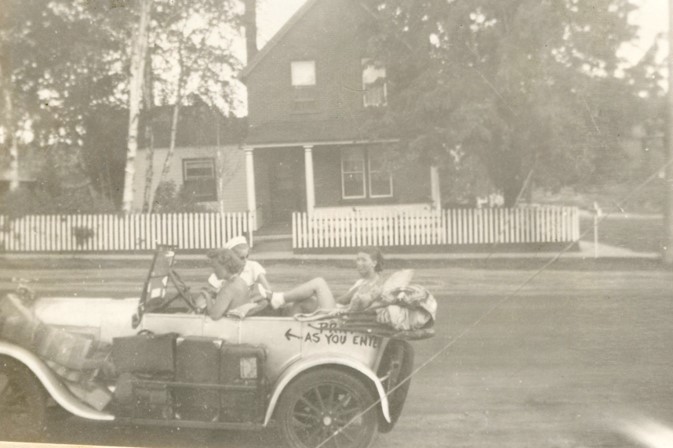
x=373, y=84
x=303, y=73
x=199, y=179
x=303, y=85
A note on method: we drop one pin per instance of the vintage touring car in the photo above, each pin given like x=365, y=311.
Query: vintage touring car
x=155, y=361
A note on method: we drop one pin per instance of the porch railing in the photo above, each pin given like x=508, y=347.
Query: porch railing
x=79, y=233
x=441, y=227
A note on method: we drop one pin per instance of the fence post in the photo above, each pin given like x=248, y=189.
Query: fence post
x=250, y=226
x=597, y=214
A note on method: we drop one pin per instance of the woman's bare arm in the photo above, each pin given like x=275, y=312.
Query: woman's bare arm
x=345, y=299
x=261, y=278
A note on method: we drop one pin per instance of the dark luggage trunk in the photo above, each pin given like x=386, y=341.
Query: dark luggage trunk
x=197, y=361
x=143, y=399
x=153, y=401
x=145, y=354
x=242, y=366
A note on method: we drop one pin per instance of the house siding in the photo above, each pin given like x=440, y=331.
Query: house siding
x=331, y=33
x=230, y=167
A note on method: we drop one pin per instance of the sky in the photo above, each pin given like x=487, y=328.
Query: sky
x=651, y=18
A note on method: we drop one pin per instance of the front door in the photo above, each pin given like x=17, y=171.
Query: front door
x=286, y=180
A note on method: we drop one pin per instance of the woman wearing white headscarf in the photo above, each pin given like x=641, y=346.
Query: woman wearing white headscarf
x=253, y=273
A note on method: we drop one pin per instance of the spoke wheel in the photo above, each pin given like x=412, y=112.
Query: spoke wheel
x=22, y=402
x=327, y=408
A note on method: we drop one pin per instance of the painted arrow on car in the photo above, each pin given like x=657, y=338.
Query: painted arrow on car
x=289, y=335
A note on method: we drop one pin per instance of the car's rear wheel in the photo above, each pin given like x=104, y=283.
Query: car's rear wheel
x=22, y=402
x=328, y=408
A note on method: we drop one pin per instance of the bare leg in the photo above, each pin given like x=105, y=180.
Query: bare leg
x=314, y=290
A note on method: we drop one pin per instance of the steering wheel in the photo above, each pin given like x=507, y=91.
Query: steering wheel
x=183, y=293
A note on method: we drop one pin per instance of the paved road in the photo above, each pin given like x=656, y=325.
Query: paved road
x=575, y=358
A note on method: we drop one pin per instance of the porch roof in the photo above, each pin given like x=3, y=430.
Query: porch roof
x=290, y=133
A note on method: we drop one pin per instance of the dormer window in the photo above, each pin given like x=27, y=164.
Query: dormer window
x=303, y=85
x=373, y=83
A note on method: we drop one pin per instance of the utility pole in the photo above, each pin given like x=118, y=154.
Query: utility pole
x=668, y=218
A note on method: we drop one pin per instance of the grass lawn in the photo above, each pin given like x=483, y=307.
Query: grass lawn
x=638, y=234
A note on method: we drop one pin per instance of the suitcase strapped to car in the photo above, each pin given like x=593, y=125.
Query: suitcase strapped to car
x=210, y=380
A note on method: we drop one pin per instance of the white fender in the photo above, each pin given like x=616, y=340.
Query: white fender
x=52, y=384
x=308, y=363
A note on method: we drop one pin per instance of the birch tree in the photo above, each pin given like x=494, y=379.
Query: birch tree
x=137, y=74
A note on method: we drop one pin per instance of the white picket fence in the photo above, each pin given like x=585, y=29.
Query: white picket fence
x=80, y=233
x=441, y=227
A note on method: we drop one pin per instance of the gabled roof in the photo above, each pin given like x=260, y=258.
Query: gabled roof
x=301, y=12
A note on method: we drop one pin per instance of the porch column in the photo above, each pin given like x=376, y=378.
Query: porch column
x=250, y=184
x=435, y=191
x=310, y=184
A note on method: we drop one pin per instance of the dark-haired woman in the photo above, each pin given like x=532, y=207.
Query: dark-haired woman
x=316, y=294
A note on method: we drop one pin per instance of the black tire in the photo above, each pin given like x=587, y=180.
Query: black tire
x=317, y=407
x=23, y=402
x=396, y=365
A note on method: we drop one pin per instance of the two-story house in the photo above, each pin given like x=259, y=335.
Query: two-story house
x=309, y=92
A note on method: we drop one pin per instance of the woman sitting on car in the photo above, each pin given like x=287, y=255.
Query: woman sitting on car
x=316, y=294
x=253, y=273
x=227, y=289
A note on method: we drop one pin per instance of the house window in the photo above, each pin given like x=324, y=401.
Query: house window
x=373, y=84
x=380, y=180
x=199, y=179
x=364, y=175
x=303, y=73
x=303, y=85
x=353, y=173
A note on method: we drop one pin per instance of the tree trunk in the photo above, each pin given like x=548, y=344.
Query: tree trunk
x=149, y=136
x=169, y=154
x=668, y=207
x=220, y=165
x=174, y=125
x=5, y=78
x=138, y=53
x=149, y=169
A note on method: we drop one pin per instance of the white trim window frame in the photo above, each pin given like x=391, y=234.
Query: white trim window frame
x=303, y=79
x=365, y=171
x=353, y=172
x=370, y=174
x=202, y=164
